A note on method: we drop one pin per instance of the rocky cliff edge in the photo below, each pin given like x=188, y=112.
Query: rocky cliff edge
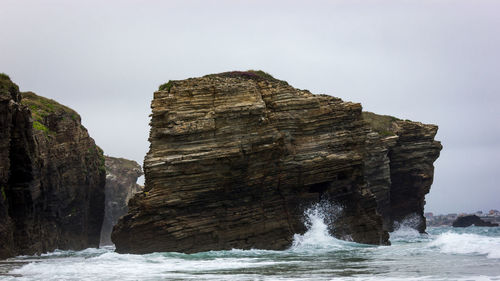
x=52, y=176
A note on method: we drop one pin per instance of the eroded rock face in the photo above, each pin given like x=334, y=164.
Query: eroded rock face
x=121, y=185
x=51, y=175
x=399, y=167
x=412, y=169
x=236, y=158
x=9, y=105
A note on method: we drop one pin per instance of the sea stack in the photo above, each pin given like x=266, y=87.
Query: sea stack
x=236, y=158
x=472, y=220
x=121, y=185
x=52, y=176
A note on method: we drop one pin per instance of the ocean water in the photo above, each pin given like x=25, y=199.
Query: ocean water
x=446, y=253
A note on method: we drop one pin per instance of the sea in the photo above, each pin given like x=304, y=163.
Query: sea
x=444, y=253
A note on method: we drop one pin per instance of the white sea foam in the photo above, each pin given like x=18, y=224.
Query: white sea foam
x=422, y=278
x=317, y=236
x=315, y=255
x=405, y=231
x=113, y=266
x=467, y=243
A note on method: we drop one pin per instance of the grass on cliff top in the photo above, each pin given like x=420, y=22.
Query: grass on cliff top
x=381, y=124
x=6, y=85
x=42, y=107
x=257, y=75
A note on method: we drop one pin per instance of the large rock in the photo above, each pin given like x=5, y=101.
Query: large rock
x=52, y=176
x=469, y=220
x=236, y=158
x=121, y=185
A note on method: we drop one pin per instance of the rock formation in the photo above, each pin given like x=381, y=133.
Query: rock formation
x=236, y=158
x=469, y=220
x=399, y=166
x=121, y=185
x=52, y=176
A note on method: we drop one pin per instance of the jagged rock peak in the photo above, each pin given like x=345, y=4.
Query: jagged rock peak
x=121, y=185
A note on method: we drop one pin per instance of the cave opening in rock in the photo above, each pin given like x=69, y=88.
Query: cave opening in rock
x=319, y=187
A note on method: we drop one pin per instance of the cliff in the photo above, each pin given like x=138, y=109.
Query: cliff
x=121, y=185
x=236, y=158
x=52, y=176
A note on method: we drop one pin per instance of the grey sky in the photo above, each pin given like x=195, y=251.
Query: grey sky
x=431, y=61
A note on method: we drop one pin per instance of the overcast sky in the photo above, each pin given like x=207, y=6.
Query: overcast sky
x=432, y=61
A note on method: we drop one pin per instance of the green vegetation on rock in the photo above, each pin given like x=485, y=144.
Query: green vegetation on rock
x=7, y=86
x=4, y=76
x=166, y=86
x=381, y=124
x=39, y=126
x=102, y=159
x=257, y=75
x=42, y=107
x=95, y=153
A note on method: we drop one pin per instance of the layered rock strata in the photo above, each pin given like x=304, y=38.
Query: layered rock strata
x=236, y=158
x=121, y=185
x=399, y=167
x=52, y=176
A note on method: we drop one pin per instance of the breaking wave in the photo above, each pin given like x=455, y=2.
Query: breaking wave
x=317, y=237
x=467, y=243
x=445, y=254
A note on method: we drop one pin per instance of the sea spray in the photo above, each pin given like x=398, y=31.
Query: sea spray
x=410, y=221
x=467, y=243
x=318, y=219
x=406, y=230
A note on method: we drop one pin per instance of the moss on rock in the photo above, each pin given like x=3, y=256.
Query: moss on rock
x=7, y=87
x=41, y=107
x=166, y=86
x=40, y=127
x=257, y=75
x=381, y=124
